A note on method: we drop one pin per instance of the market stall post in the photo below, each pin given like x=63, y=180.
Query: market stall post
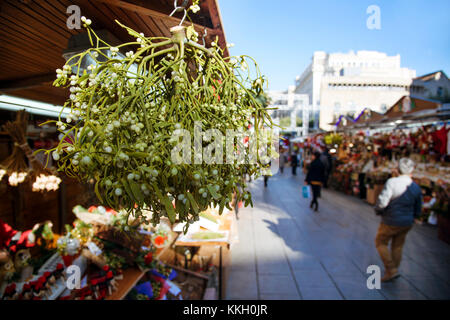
x=222, y=248
x=62, y=208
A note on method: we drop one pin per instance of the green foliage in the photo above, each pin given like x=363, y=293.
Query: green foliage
x=123, y=112
x=332, y=139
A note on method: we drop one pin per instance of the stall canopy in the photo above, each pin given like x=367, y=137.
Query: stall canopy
x=366, y=118
x=344, y=122
x=409, y=106
x=34, y=35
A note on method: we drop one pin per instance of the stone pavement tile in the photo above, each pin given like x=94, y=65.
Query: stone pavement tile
x=398, y=284
x=270, y=267
x=313, y=279
x=340, y=266
x=403, y=295
x=243, y=261
x=363, y=262
x=242, y=285
x=277, y=284
x=280, y=296
x=243, y=267
x=431, y=287
x=330, y=293
x=410, y=268
x=245, y=234
x=268, y=242
x=291, y=235
x=440, y=270
x=400, y=289
x=431, y=258
x=243, y=247
x=304, y=262
x=355, y=288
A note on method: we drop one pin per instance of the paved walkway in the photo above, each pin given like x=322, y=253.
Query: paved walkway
x=287, y=251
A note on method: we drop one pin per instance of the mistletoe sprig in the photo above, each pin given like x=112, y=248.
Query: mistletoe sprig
x=125, y=107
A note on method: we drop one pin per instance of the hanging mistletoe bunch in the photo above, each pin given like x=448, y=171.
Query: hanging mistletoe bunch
x=124, y=109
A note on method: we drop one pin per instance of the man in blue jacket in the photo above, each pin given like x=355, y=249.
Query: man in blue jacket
x=399, y=204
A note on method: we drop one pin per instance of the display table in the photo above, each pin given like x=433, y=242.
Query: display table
x=131, y=276
x=221, y=248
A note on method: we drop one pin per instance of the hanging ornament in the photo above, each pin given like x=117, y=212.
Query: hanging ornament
x=125, y=109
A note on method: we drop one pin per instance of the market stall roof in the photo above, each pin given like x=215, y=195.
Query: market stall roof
x=411, y=104
x=431, y=76
x=440, y=113
x=408, y=106
x=343, y=122
x=366, y=117
x=34, y=34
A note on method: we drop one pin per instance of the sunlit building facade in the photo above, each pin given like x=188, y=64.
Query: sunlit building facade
x=292, y=110
x=346, y=83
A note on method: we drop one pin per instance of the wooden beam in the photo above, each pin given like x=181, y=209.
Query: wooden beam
x=216, y=19
x=145, y=8
x=24, y=83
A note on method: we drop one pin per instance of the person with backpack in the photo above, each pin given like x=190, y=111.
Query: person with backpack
x=399, y=205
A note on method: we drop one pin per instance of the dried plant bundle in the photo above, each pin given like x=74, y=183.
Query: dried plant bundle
x=43, y=179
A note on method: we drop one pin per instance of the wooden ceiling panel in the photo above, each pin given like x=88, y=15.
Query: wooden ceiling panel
x=28, y=48
x=101, y=19
x=34, y=34
x=142, y=26
x=46, y=93
x=25, y=53
x=27, y=68
x=22, y=12
x=118, y=14
x=9, y=32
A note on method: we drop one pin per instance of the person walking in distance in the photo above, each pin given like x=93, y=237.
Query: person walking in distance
x=315, y=177
x=283, y=160
x=399, y=204
x=294, y=163
x=325, y=157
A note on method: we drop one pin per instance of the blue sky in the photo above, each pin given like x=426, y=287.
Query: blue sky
x=282, y=35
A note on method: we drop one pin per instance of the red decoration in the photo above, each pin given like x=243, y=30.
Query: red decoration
x=68, y=259
x=148, y=258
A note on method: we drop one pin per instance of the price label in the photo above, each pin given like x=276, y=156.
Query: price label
x=173, y=288
x=94, y=248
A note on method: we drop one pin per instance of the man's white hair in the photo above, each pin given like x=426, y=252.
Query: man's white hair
x=406, y=166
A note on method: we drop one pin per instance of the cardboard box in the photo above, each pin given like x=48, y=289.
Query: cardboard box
x=370, y=197
x=373, y=193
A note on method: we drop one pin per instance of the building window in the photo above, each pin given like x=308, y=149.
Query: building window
x=352, y=106
x=337, y=107
x=439, y=92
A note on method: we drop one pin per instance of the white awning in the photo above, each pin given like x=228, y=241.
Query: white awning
x=32, y=106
